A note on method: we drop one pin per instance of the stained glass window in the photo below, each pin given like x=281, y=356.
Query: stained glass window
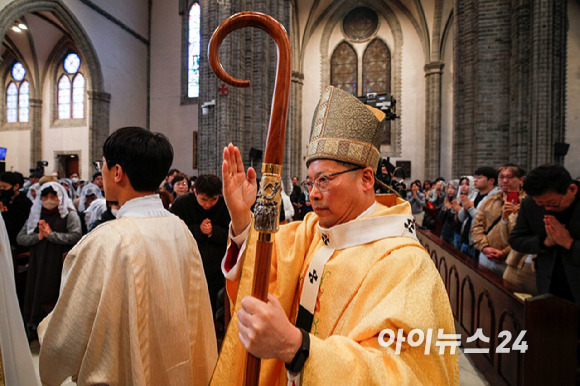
x=18, y=71
x=17, y=95
x=72, y=63
x=377, y=68
x=71, y=89
x=193, y=51
x=23, y=101
x=12, y=103
x=78, y=96
x=343, y=68
x=64, y=97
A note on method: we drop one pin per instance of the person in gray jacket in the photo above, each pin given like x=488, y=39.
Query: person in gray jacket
x=417, y=201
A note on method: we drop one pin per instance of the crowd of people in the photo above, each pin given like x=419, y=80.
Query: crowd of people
x=482, y=216
x=46, y=216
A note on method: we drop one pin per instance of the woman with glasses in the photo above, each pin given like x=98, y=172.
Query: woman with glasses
x=180, y=185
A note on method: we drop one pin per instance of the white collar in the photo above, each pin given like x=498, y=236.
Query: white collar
x=365, y=230
x=146, y=206
x=366, y=212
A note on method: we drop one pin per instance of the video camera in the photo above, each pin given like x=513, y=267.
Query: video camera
x=384, y=102
x=39, y=169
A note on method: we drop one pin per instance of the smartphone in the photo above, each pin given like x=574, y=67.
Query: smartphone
x=513, y=197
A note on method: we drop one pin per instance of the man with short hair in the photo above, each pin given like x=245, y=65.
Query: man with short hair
x=351, y=269
x=134, y=307
x=548, y=225
x=205, y=213
x=485, y=180
x=485, y=229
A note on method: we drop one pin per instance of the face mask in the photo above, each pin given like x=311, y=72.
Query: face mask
x=6, y=195
x=74, y=180
x=114, y=211
x=49, y=204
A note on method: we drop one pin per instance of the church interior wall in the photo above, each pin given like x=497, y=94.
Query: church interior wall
x=123, y=57
x=18, y=143
x=58, y=139
x=168, y=114
x=143, y=78
x=411, y=106
x=572, y=160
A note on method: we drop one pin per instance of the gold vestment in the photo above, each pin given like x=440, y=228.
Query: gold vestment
x=390, y=283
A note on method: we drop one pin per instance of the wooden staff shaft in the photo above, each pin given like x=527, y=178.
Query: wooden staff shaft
x=268, y=204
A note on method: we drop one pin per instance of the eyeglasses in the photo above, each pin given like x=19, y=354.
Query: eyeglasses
x=506, y=177
x=181, y=183
x=550, y=204
x=323, y=182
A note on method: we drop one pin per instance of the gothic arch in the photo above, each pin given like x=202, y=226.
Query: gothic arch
x=97, y=101
x=396, y=62
x=10, y=57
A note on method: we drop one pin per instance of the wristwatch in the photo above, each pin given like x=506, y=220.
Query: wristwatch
x=301, y=355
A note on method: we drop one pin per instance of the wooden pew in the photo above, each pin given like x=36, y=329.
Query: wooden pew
x=480, y=299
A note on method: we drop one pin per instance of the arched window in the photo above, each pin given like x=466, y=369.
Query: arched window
x=376, y=68
x=71, y=89
x=343, y=68
x=17, y=95
x=194, y=50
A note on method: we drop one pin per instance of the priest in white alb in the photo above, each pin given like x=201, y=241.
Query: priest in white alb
x=134, y=307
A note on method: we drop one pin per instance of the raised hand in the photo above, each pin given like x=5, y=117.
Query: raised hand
x=239, y=189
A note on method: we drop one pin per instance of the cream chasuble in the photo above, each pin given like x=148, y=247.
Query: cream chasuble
x=388, y=283
x=134, y=307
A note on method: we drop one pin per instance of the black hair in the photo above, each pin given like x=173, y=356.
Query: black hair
x=547, y=178
x=208, y=184
x=464, y=178
x=181, y=176
x=96, y=175
x=487, y=171
x=144, y=156
x=171, y=171
x=45, y=192
x=12, y=178
x=515, y=169
x=416, y=182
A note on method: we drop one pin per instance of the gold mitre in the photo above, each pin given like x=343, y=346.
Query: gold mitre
x=344, y=129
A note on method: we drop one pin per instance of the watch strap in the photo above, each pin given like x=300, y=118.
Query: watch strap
x=301, y=355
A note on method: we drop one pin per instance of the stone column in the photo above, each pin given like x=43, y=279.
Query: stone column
x=35, y=116
x=292, y=154
x=464, y=87
x=548, y=79
x=240, y=116
x=433, y=73
x=520, y=65
x=99, y=103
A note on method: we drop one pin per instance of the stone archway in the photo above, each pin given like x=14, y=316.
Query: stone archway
x=98, y=99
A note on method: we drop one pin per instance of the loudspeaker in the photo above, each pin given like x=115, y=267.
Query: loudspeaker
x=561, y=149
x=255, y=154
